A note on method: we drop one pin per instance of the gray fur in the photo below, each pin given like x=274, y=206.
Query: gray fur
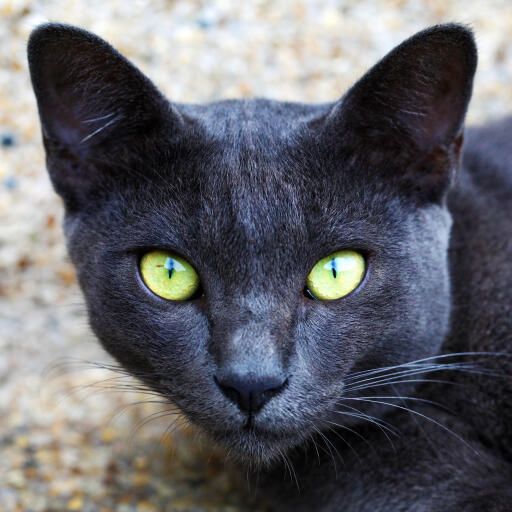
x=253, y=193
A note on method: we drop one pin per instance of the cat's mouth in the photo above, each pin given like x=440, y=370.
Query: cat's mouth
x=258, y=441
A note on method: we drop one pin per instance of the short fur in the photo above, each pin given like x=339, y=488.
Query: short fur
x=253, y=193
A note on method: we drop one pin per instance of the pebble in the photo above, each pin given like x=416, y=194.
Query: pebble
x=7, y=141
x=11, y=183
x=75, y=504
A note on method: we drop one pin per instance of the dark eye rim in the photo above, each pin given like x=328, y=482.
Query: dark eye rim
x=137, y=256
x=368, y=256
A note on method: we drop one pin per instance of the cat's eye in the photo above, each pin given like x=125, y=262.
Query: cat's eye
x=336, y=275
x=169, y=275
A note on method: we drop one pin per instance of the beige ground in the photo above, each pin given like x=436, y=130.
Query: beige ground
x=61, y=452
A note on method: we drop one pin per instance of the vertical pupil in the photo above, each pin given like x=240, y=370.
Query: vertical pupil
x=169, y=265
x=333, y=267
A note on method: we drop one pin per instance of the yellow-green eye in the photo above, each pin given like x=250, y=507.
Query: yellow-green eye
x=336, y=275
x=168, y=275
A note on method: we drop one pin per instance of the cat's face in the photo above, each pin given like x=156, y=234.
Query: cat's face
x=253, y=194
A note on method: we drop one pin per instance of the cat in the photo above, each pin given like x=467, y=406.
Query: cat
x=310, y=284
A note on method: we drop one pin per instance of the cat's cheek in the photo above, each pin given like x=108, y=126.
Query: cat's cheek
x=132, y=322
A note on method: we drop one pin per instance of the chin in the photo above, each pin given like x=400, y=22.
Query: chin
x=257, y=447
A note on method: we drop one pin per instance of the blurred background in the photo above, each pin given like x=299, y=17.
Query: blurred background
x=71, y=438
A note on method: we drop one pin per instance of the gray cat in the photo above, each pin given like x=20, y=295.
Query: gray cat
x=320, y=287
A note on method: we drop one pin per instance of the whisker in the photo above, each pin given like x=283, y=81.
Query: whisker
x=379, y=422
x=328, y=445
x=334, y=431
x=419, y=425
x=432, y=358
x=121, y=409
x=416, y=369
x=312, y=438
x=65, y=363
x=415, y=399
x=98, y=388
x=293, y=471
x=391, y=381
x=170, y=430
x=428, y=418
x=151, y=417
x=382, y=428
x=289, y=467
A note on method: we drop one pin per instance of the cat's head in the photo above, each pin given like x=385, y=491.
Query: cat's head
x=253, y=194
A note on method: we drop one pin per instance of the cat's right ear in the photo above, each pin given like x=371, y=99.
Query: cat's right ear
x=92, y=103
x=404, y=118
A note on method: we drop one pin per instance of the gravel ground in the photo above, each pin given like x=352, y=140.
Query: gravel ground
x=68, y=439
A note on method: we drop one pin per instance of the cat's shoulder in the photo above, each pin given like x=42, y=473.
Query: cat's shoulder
x=487, y=156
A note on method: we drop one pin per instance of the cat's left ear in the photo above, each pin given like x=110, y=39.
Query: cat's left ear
x=405, y=117
x=95, y=108
x=87, y=91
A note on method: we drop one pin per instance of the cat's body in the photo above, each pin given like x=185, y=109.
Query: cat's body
x=253, y=193
x=480, y=255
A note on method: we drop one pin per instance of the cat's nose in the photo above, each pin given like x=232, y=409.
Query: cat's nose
x=248, y=393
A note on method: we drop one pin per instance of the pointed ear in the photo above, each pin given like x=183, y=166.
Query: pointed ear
x=406, y=114
x=90, y=99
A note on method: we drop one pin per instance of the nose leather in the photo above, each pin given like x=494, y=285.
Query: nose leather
x=249, y=393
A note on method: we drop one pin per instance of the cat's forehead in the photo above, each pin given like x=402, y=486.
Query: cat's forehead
x=264, y=176
x=256, y=165
x=247, y=120
x=260, y=153
x=259, y=178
